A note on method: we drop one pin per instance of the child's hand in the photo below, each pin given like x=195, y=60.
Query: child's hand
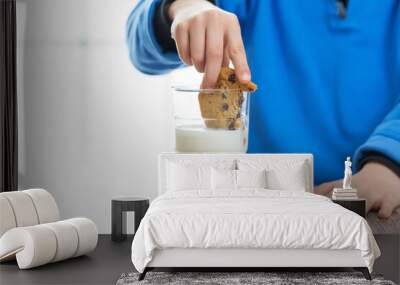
x=374, y=182
x=208, y=38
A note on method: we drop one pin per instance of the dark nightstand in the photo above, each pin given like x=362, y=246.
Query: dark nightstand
x=357, y=206
x=119, y=207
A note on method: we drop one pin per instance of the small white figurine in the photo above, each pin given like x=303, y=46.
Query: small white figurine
x=347, y=174
x=346, y=192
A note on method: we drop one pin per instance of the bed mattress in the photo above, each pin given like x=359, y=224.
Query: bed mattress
x=250, y=219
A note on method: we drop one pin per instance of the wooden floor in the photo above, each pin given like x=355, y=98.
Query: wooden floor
x=103, y=266
x=387, y=235
x=111, y=259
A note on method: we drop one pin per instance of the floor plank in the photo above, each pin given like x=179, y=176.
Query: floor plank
x=103, y=266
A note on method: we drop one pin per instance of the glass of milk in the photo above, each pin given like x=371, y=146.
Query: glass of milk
x=197, y=133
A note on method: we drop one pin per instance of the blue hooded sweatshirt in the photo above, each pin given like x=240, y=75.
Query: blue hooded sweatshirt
x=327, y=85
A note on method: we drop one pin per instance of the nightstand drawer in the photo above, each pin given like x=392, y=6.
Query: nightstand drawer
x=357, y=206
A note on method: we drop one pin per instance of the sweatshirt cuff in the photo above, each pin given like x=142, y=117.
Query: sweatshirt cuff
x=170, y=58
x=380, y=149
x=162, y=26
x=377, y=157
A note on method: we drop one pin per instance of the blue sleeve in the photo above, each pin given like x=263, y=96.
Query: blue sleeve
x=385, y=139
x=144, y=51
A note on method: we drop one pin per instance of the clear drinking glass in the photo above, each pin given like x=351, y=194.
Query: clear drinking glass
x=211, y=120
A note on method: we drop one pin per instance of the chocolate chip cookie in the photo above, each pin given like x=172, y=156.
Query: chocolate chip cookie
x=220, y=108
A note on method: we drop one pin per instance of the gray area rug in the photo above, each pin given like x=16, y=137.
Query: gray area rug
x=229, y=278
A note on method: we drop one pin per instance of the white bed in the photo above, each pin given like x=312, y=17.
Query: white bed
x=196, y=224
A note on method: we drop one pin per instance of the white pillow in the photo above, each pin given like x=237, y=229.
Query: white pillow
x=188, y=173
x=223, y=179
x=292, y=179
x=251, y=178
x=187, y=177
x=282, y=174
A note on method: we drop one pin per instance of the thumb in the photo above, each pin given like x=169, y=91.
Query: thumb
x=385, y=210
x=326, y=188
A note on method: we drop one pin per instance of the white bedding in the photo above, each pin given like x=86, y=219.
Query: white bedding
x=250, y=218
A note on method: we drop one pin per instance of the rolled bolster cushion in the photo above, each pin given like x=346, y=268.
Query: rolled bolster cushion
x=33, y=246
x=67, y=240
x=23, y=208
x=40, y=244
x=87, y=234
x=45, y=205
x=7, y=218
x=27, y=208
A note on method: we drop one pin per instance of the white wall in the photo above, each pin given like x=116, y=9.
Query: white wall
x=90, y=125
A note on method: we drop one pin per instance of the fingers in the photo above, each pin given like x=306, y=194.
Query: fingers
x=225, y=60
x=210, y=40
x=181, y=37
x=237, y=54
x=326, y=188
x=214, y=55
x=197, y=34
x=386, y=209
